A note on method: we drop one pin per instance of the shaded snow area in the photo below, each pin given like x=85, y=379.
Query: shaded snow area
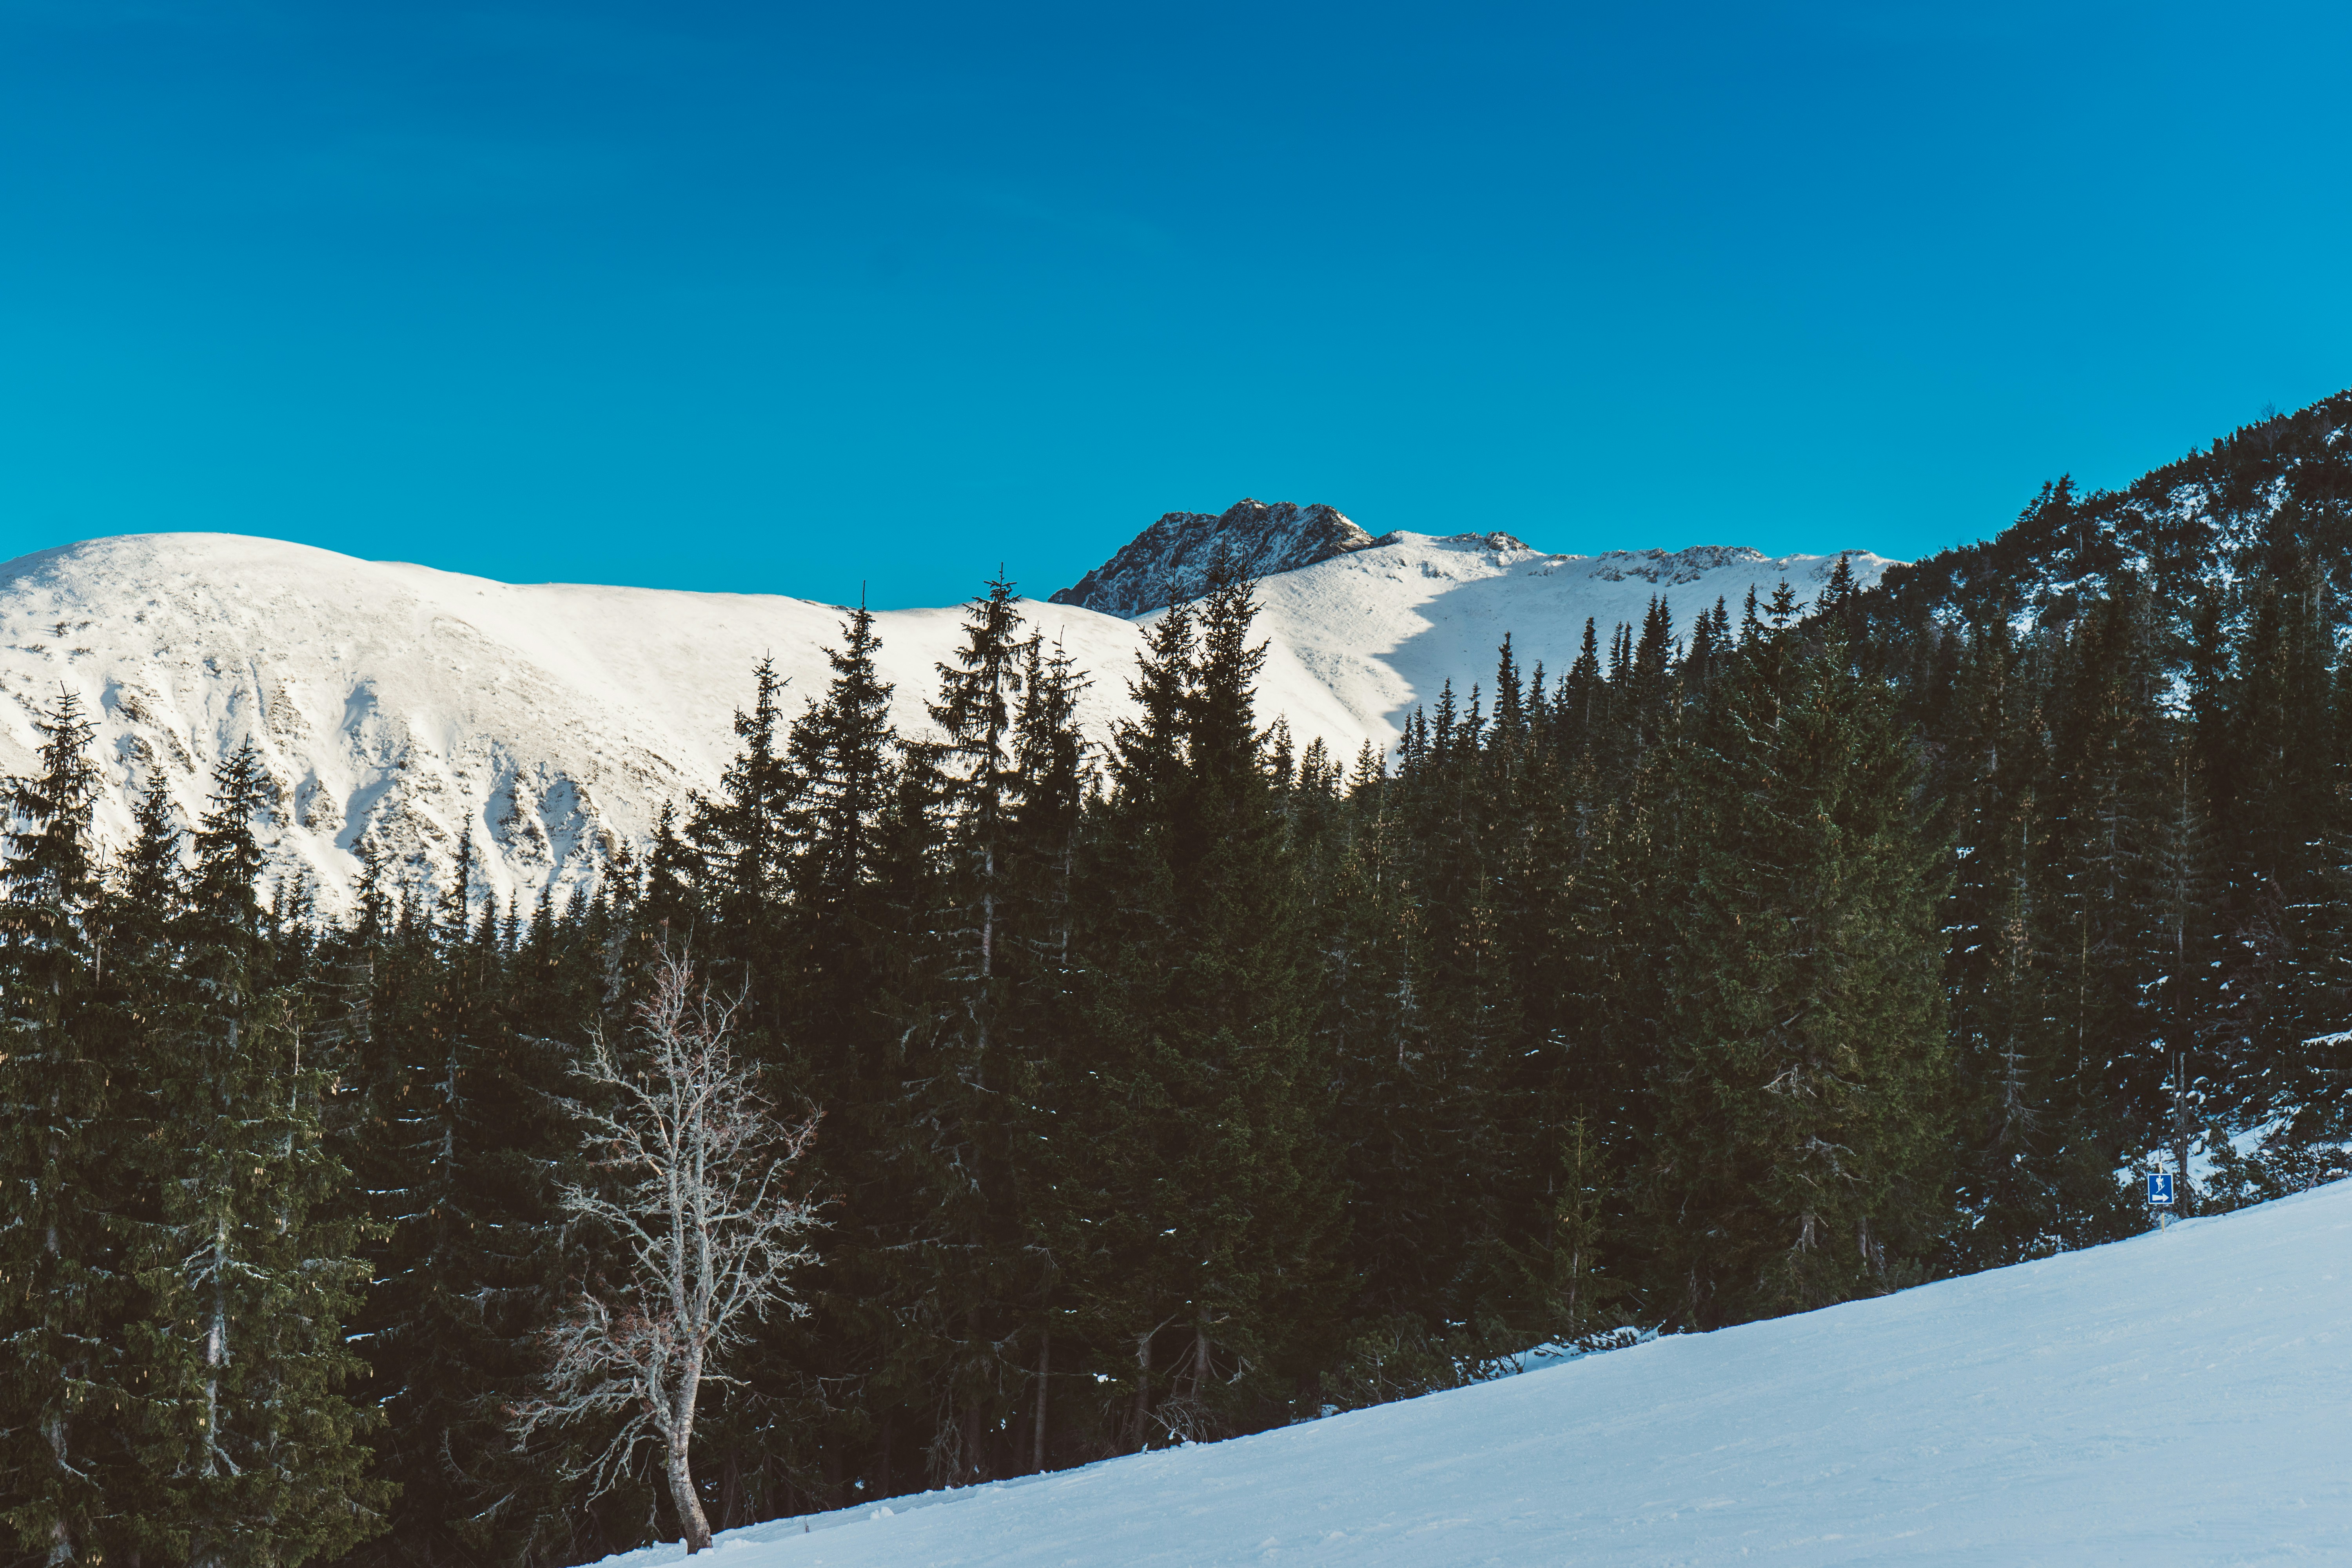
x=1360, y=640
x=546, y=725
x=2182, y=1398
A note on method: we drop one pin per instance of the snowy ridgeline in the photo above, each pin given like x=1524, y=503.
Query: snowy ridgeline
x=546, y=725
x=2183, y=1397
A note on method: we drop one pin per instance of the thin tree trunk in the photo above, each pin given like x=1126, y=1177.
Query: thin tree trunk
x=216, y=1345
x=1037, y=1434
x=54, y=1427
x=61, y=1543
x=201, y=1553
x=1143, y=1385
x=988, y=914
x=691, y=1521
x=216, y=1332
x=2179, y=990
x=730, y=1490
x=2180, y=1129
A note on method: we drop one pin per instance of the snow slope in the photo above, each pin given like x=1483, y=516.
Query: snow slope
x=1382, y=628
x=2179, y=1398
x=546, y=724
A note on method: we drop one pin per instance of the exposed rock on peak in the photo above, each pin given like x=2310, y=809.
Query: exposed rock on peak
x=1487, y=541
x=1168, y=560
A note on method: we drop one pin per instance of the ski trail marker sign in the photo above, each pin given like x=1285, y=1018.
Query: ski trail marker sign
x=2159, y=1189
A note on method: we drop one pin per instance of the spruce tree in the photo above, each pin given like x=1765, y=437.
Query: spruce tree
x=1041, y=1016
x=969, y=1281
x=1205, y=1228
x=247, y=1276
x=733, y=865
x=1802, y=1144
x=843, y=974
x=2034, y=1150
x=64, y=1100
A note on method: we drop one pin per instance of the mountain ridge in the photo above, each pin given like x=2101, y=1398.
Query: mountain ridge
x=543, y=726
x=2266, y=499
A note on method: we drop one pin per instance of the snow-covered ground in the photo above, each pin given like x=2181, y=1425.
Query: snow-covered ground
x=545, y=725
x=2182, y=1398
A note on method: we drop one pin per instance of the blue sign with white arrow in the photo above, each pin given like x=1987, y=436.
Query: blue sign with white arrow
x=2159, y=1188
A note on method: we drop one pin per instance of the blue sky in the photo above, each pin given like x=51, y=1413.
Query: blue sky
x=796, y=299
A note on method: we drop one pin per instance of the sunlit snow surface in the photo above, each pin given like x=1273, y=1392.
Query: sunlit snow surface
x=1359, y=641
x=2184, y=1397
x=545, y=725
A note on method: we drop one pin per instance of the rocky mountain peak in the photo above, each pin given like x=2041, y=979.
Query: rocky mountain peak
x=1168, y=560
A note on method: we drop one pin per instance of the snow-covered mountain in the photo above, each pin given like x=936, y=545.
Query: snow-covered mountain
x=1359, y=640
x=546, y=724
x=2182, y=1398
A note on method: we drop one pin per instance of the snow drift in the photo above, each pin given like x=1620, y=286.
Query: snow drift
x=2183, y=1397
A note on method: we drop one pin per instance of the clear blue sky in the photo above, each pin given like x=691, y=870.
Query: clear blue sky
x=792, y=298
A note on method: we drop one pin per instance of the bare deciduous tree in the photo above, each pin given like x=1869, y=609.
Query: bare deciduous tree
x=700, y=1198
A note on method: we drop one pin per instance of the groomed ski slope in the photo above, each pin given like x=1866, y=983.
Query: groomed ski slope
x=2183, y=1397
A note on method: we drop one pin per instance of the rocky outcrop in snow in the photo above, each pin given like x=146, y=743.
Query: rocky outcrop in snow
x=1168, y=562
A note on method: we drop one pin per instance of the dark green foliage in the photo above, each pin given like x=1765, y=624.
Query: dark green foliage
x=1801, y=1145
x=1200, y=1256
x=248, y=1452
x=968, y=1293
x=1236, y=1054
x=64, y=1087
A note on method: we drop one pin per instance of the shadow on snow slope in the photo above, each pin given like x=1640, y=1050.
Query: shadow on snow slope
x=2180, y=1397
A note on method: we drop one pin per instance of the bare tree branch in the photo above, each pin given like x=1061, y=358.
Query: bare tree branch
x=699, y=1195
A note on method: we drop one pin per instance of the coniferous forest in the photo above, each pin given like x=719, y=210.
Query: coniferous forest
x=1199, y=1081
